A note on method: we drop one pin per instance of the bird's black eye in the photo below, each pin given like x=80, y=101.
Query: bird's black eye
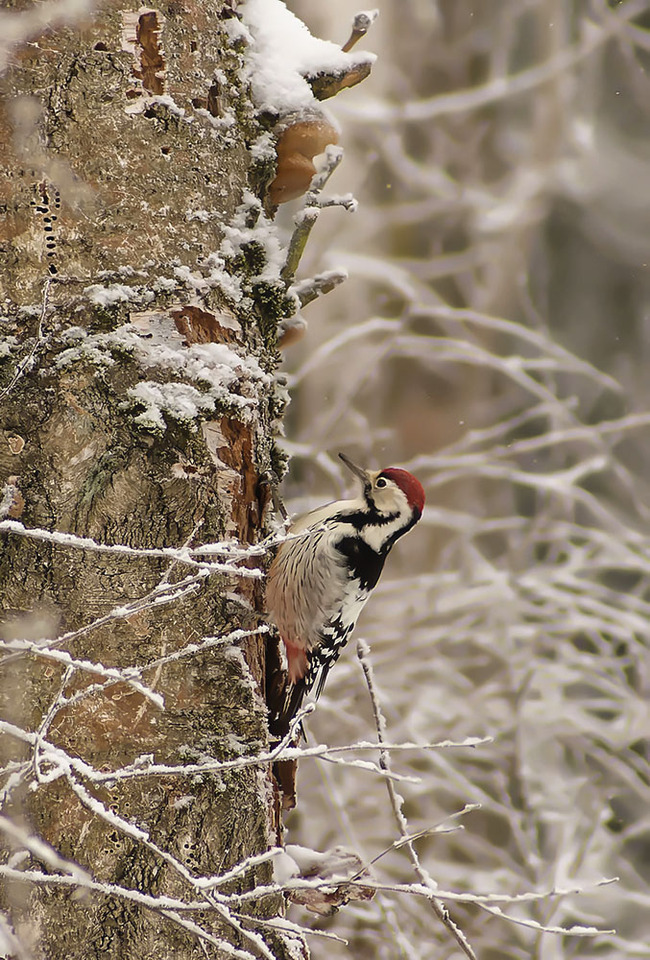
x=380, y=482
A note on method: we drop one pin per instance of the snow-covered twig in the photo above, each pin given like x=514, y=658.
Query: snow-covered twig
x=308, y=290
x=397, y=802
x=164, y=593
x=181, y=555
x=58, y=702
x=361, y=23
x=123, y=675
x=308, y=215
x=168, y=906
x=19, y=836
x=62, y=761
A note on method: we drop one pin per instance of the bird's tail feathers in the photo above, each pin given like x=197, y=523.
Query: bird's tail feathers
x=286, y=707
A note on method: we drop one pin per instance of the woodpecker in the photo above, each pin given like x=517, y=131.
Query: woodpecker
x=324, y=573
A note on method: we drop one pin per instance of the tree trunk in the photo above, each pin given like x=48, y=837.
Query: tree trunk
x=137, y=405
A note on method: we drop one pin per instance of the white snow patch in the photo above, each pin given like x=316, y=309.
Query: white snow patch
x=203, y=216
x=264, y=232
x=213, y=365
x=264, y=147
x=164, y=285
x=225, y=122
x=178, y=400
x=193, y=280
x=282, y=52
x=115, y=293
x=166, y=101
x=217, y=373
x=7, y=344
x=216, y=276
x=299, y=861
x=236, y=30
x=85, y=348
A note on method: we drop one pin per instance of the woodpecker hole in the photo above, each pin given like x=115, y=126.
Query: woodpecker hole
x=47, y=199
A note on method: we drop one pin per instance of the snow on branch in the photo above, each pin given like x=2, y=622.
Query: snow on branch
x=52, y=762
x=168, y=906
x=180, y=555
x=283, y=56
x=124, y=675
x=147, y=768
x=397, y=804
x=306, y=218
x=485, y=901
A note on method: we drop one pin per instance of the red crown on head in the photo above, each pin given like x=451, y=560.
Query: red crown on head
x=412, y=488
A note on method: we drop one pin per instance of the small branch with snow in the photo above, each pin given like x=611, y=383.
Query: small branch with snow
x=308, y=290
x=345, y=200
x=62, y=761
x=486, y=901
x=307, y=217
x=360, y=26
x=427, y=886
x=63, y=657
x=168, y=906
x=397, y=802
x=178, y=555
x=162, y=594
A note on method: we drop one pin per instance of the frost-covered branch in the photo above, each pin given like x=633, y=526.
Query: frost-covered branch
x=181, y=555
x=308, y=215
x=397, y=804
x=124, y=675
x=309, y=290
x=144, y=767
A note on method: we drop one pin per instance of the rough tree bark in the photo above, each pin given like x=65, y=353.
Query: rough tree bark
x=124, y=149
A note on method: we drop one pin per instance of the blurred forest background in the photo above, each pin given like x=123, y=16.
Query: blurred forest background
x=494, y=338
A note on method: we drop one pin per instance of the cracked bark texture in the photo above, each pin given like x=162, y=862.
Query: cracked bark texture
x=98, y=184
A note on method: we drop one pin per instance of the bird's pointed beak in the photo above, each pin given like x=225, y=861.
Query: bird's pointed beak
x=359, y=472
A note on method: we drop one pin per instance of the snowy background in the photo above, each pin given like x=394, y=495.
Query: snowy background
x=493, y=338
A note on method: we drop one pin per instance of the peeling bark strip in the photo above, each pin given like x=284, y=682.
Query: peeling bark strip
x=200, y=326
x=153, y=65
x=141, y=37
